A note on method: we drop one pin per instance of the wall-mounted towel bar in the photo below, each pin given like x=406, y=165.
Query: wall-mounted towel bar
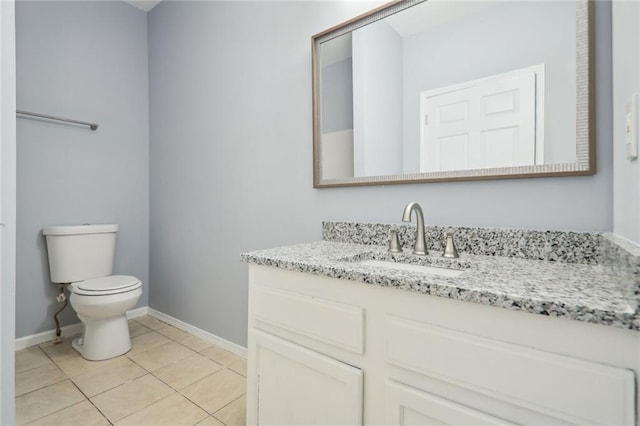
x=92, y=126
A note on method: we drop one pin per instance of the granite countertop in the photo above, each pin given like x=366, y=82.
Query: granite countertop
x=596, y=292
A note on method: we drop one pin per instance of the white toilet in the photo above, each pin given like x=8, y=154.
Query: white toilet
x=82, y=256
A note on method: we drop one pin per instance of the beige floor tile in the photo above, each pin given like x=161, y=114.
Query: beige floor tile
x=175, y=410
x=81, y=414
x=73, y=366
x=217, y=390
x=45, y=401
x=52, y=342
x=234, y=414
x=239, y=367
x=39, y=377
x=137, y=329
x=59, y=350
x=173, y=333
x=160, y=356
x=133, y=396
x=196, y=343
x=151, y=322
x=184, y=338
x=211, y=421
x=69, y=360
x=108, y=377
x=146, y=341
x=221, y=356
x=187, y=371
x=33, y=357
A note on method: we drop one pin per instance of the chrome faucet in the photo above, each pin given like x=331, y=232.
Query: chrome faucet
x=419, y=248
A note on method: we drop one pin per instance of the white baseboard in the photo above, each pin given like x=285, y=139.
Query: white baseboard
x=74, y=329
x=138, y=312
x=45, y=336
x=67, y=331
x=198, y=332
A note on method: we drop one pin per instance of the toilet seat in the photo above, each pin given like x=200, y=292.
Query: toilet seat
x=103, y=286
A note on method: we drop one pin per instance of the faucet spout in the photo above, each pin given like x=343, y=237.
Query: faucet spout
x=420, y=246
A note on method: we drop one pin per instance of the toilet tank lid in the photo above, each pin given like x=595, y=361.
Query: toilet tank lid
x=80, y=229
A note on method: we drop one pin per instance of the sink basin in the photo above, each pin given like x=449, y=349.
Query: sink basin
x=431, y=270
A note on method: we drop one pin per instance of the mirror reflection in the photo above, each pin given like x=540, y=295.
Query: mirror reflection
x=449, y=86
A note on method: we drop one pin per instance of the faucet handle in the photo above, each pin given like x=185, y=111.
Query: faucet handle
x=394, y=242
x=450, y=250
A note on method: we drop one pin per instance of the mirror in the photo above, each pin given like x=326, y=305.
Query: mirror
x=443, y=90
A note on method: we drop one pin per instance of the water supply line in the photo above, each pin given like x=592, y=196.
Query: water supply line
x=60, y=298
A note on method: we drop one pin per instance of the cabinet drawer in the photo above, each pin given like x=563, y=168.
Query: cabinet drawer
x=337, y=324
x=566, y=388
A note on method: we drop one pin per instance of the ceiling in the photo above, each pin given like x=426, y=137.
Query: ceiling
x=145, y=5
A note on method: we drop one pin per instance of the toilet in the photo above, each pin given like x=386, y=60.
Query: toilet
x=82, y=257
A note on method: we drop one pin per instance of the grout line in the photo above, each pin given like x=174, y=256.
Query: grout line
x=99, y=411
x=111, y=366
x=147, y=406
x=199, y=380
x=37, y=366
x=141, y=325
x=222, y=408
x=44, y=386
x=196, y=404
x=63, y=408
x=133, y=361
x=50, y=384
x=91, y=402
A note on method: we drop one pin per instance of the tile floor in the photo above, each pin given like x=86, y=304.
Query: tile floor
x=168, y=378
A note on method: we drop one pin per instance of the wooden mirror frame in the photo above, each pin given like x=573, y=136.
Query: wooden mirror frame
x=585, y=111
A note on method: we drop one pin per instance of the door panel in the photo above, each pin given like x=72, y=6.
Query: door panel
x=496, y=116
x=407, y=406
x=297, y=386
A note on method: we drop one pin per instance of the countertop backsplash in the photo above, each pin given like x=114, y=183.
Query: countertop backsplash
x=560, y=246
x=623, y=257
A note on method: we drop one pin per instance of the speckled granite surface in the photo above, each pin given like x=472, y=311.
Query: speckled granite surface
x=585, y=277
x=569, y=247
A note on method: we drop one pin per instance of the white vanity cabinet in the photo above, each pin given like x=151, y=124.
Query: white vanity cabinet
x=291, y=382
x=329, y=351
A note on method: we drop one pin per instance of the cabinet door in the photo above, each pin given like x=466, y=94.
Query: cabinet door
x=297, y=386
x=408, y=406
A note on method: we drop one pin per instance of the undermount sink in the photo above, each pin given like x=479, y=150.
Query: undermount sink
x=443, y=272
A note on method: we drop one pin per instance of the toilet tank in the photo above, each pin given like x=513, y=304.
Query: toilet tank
x=78, y=253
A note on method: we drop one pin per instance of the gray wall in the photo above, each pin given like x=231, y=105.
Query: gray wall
x=84, y=60
x=231, y=156
x=337, y=96
x=626, y=81
x=377, y=100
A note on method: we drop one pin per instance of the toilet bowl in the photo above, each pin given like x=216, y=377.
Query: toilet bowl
x=82, y=257
x=101, y=305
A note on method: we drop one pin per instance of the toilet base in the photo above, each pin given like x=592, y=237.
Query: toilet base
x=77, y=344
x=103, y=338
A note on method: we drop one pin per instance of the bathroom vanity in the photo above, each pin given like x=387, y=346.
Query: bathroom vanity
x=532, y=328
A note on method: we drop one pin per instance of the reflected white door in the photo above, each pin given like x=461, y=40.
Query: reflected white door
x=482, y=124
